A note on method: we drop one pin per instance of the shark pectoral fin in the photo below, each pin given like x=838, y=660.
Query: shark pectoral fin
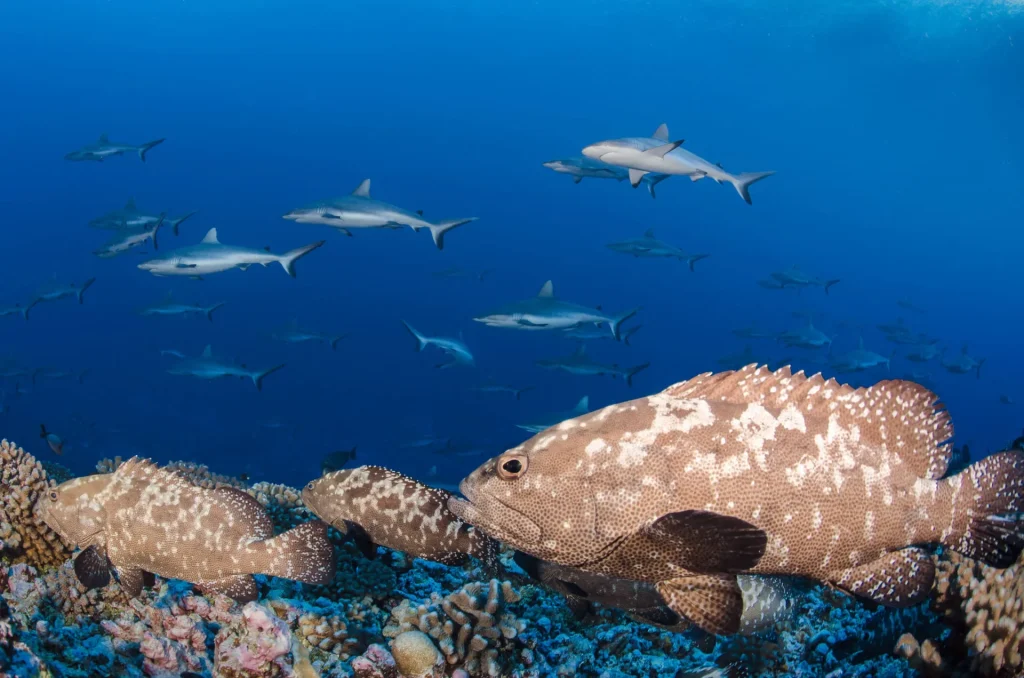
x=661, y=151
x=130, y=579
x=697, y=176
x=346, y=232
x=92, y=568
x=196, y=277
x=245, y=267
x=897, y=579
x=241, y=587
x=577, y=180
x=635, y=176
x=712, y=602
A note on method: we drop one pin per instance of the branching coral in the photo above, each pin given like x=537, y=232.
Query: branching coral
x=472, y=626
x=23, y=536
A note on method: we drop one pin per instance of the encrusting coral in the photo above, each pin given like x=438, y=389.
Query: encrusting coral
x=472, y=627
x=416, y=655
x=23, y=536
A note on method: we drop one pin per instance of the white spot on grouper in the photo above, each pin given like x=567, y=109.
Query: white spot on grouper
x=595, y=446
x=631, y=454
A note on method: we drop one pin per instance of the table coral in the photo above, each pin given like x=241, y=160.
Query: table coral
x=23, y=536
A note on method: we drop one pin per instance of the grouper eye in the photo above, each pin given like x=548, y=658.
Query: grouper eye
x=53, y=496
x=512, y=466
x=309, y=485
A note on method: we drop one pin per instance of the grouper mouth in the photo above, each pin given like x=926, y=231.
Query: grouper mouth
x=513, y=527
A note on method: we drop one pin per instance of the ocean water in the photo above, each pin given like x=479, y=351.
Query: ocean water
x=894, y=129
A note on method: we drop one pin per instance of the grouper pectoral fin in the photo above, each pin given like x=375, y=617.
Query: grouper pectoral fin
x=130, y=579
x=704, y=541
x=241, y=588
x=361, y=539
x=713, y=602
x=897, y=579
x=92, y=568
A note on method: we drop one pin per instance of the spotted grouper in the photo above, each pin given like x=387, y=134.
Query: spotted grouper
x=757, y=472
x=144, y=519
x=378, y=506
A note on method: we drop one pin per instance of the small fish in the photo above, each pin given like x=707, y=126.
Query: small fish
x=456, y=349
x=104, y=148
x=293, y=334
x=382, y=507
x=579, y=363
x=211, y=256
x=170, y=307
x=52, y=439
x=120, y=519
x=582, y=407
x=208, y=367
x=794, y=277
x=501, y=388
x=359, y=210
x=335, y=461
x=546, y=312
x=649, y=246
x=634, y=491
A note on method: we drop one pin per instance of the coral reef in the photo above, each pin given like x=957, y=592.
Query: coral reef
x=23, y=536
x=416, y=655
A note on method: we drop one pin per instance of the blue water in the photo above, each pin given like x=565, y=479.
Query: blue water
x=894, y=128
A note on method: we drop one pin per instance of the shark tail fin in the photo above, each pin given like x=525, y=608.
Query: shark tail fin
x=421, y=341
x=830, y=283
x=81, y=290
x=743, y=181
x=653, y=181
x=288, y=259
x=628, y=334
x=521, y=391
x=156, y=227
x=144, y=148
x=28, y=307
x=616, y=323
x=303, y=553
x=258, y=377
x=690, y=261
x=437, y=231
x=335, y=340
x=210, y=310
x=978, y=370
x=633, y=371
x=175, y=223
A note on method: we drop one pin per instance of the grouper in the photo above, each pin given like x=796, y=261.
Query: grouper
x=144, y=519
x=758, y=472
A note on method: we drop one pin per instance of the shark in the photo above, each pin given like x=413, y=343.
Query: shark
x=208, y=367
x=211, y=256
x=794, y=277
x=649, y=246
x=129, y=238
x=104, y=148
x=924, y=353
x=293, y=334
x=656, y=153
x=808, y=336
x=963, y=363
x=859, y=360
x=582, y=407
x=16, y=309
x=546, y=312
x=130, y=216
x=170, y=307
x=581, y=364
x=580, y=168
x=56, y=291
x=455, y=349
x=360, y=210
x=597, y=331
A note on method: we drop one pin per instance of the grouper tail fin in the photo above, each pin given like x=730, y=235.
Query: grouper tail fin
x=743, y=181
x=990, y=523
x=303, y=553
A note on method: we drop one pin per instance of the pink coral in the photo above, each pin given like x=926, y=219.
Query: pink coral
x=255, y=645
x=376, y=662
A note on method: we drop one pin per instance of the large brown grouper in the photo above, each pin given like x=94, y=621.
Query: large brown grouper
x=752, y=471
x=144, y=519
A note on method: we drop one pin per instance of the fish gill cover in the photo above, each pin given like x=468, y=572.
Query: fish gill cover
x=258, y=237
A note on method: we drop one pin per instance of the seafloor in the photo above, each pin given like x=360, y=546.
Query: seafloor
x=395, y=616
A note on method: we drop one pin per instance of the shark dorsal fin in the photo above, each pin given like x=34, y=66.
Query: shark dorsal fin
x=103, y=139
x=649, y=233
x=207, y=352
x=548, y=291
x=661, y=134
x=860, y=343
x=130, y=205
x=363, y=189
x=583, y=405
x=211, y=237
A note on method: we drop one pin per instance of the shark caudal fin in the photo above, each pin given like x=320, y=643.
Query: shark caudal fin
x=989, y=523
x=303, y=553
x=258, y=377
x=520, y=391
x=633, y=371
x=288, y=259
x=25, y=309
x=628, y=334
x=211, y=309
x=421, y=341
x=144, y=148
x=156, y=227
x=175, y=223
x=335, y=340
x=81, y=290
x=654, y=180
x=830, y=283
x=690, y=261
x=616, y=323
x=437, y=231
x=743, y=181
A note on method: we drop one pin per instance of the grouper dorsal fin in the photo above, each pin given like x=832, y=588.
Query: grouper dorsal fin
x=548, y=291
x=244, y=506
x=211, y=237
x=207, y=352
x=913, y=413
x=363, y=189
x=130, y=205
x=661, y=134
